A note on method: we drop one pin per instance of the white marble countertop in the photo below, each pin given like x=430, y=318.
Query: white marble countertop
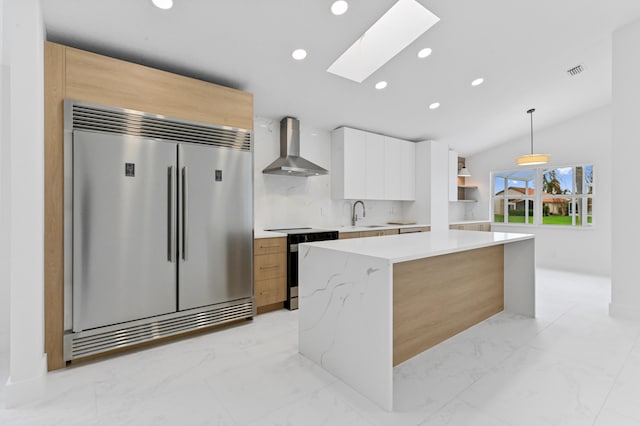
x=375, y=227
x=260, y=233
x=466, y=222
x=405, y=247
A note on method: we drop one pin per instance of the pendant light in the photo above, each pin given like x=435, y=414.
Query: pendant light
x=532, y=159
x=464, y=172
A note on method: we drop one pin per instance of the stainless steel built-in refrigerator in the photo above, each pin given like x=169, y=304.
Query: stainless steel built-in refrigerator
x=162, y=224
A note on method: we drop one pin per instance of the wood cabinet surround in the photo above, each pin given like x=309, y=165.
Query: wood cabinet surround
x=270, y=273
x=84, y=76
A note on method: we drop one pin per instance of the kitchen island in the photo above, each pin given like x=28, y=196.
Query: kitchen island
x=367, y=305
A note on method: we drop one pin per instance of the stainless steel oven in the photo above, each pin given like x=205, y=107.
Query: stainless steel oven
x=297, y=236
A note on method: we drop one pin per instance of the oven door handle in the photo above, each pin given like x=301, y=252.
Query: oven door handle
x=293, y=248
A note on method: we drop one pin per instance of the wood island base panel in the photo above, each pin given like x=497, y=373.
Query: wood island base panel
x=438, y=297
x=367, y=305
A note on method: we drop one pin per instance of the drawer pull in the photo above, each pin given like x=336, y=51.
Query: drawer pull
x=273, y=246
x=269, y=267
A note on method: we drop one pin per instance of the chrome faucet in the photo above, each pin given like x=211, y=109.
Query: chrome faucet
x=354, y=216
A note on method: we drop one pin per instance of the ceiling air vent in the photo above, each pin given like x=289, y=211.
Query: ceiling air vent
x=575, y=70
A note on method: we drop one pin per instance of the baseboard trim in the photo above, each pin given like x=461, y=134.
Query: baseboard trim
x=25, y=391
x=619, y=310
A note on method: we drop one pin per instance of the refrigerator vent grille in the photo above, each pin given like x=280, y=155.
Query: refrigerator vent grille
x=93, y=342
x=136, y=123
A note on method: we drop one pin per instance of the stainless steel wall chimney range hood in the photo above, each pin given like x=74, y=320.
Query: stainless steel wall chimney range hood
x=290, y=163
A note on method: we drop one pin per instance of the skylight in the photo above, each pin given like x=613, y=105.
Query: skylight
x=395, y=30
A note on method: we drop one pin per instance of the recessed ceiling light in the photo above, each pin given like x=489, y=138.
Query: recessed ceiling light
x=381, y=85
x=400, y=26
x=163, y=4
x=299, y=54
x=424, y=53
x=339, y=7
x=477, y=82
x=434, y=105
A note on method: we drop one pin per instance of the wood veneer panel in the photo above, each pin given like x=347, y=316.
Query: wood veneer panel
x=270, y=271
x=269, y=266
x=269, y=246
x=54, y=91
x=108, y=81
x=270, y=291
x=438, y=297
x=270, y=308
x=347, y=235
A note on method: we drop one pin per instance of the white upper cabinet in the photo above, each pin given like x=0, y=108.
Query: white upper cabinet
x=370, y=166
x=393, y=168
x=408, y=170
x=354, y=169
x=400, y=168
x=374, y=165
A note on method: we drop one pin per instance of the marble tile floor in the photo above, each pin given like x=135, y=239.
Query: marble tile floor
x=572, y=365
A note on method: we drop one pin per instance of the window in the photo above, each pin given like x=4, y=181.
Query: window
x=566, y=196
x=513, y=196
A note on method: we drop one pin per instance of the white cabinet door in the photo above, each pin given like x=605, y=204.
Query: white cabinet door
x=453, y=176
x=348, y=180
x=374, y=166
x=369, y=166
x=355, y=170
x=407, y=170
x=393, y=168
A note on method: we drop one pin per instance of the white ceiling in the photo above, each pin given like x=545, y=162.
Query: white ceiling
x=521, y=48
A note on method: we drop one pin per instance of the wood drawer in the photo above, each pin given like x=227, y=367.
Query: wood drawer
x=378, y=233
x=362, y=234
x=472, y=227
x=269, y=245
x=347, y=235
x=415, y=229
x=270, y=291
x=269, y=266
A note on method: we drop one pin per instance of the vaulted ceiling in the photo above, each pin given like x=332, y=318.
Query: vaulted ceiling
x=521, y=48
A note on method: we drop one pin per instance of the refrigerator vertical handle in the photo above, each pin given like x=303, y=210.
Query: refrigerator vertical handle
x=185, y=220
x=170, y=231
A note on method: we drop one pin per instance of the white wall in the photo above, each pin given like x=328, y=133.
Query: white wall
x=288, y=201
x=4, y=207
x=431, y=206
x=24, y=48
x=583, y=139
x=625, y=281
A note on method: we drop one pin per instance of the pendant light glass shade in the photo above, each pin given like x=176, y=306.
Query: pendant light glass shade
x=532, y=159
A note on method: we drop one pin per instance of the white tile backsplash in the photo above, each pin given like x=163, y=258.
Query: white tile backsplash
x=288, y=201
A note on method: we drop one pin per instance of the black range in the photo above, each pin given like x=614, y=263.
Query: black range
x=296, y=236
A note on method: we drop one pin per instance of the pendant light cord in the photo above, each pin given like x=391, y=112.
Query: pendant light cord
x=530, y=112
